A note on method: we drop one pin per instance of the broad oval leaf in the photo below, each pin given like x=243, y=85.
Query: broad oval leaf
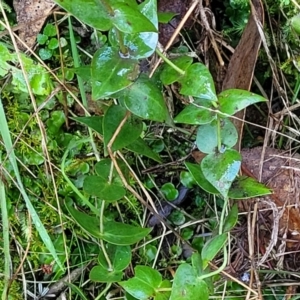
x=120, y=257
x=90, y=12
x=144, y=284
x=130, y=131
x=169, y=191
x=102, y=188
x=187, y=285
x=220, y=169
x=123, y=234
x=144, y=99
x=198, y=82
x=111, y=72
x=211, y=248
x=101, y=274
x=140, y=45
x=246, y=187
x=169, y=75
x=207, y=136
x=129, y=19
x=197, y=174
x=234, y=100
x=197, y=113
x=113, y=232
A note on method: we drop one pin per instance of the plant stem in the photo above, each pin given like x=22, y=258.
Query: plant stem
x=223, y=215
x=123, y=48
x=219, y=134
x=103, y=292
x=166, y=60
x=110, y=268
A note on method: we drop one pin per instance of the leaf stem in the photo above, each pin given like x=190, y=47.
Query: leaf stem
x=219, y=134
x=110, y=267
x=166, y=60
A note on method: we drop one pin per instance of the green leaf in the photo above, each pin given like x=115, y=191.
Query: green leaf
x=144, y=99
x=187, y=285
x=42, y=39
x=246, y=187
x=120, y=257
x=295, y=23
x=111, y=72
x=169, y=75
x=129, y=132
x=234, y=100
x=94, y=122
x=231, y=218
x=101, y=274
x=169, y=191
x=49, y=30
x=130, y=20
x=107, y=185
x=220, y=169
x=211, y=248
x=102, y=188
x=166, y=17
x=207, y=136
x=195, y=115
x=55, y=122
x=113, y=232
x=197, y=174
x=144, y=284
x=140, y=147
x=140, y=45
x=198, y=82
x=53, y=43
x=91, y=12
x=123, y=234
x=187, y=179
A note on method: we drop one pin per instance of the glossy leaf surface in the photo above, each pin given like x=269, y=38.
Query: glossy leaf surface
x=234, y=100
x=140, y=45
x=196, y=113
x=144, y=99
x=111, y=72
x=220, y=169
x=207, y=136
x=198, y=82
x=129, y=19
x=169, y=75
x=91, y=12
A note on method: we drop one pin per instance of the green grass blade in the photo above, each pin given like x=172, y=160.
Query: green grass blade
x=4, y=132
x=5, y=230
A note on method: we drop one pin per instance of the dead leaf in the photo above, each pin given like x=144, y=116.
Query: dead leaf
x=31, y=15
